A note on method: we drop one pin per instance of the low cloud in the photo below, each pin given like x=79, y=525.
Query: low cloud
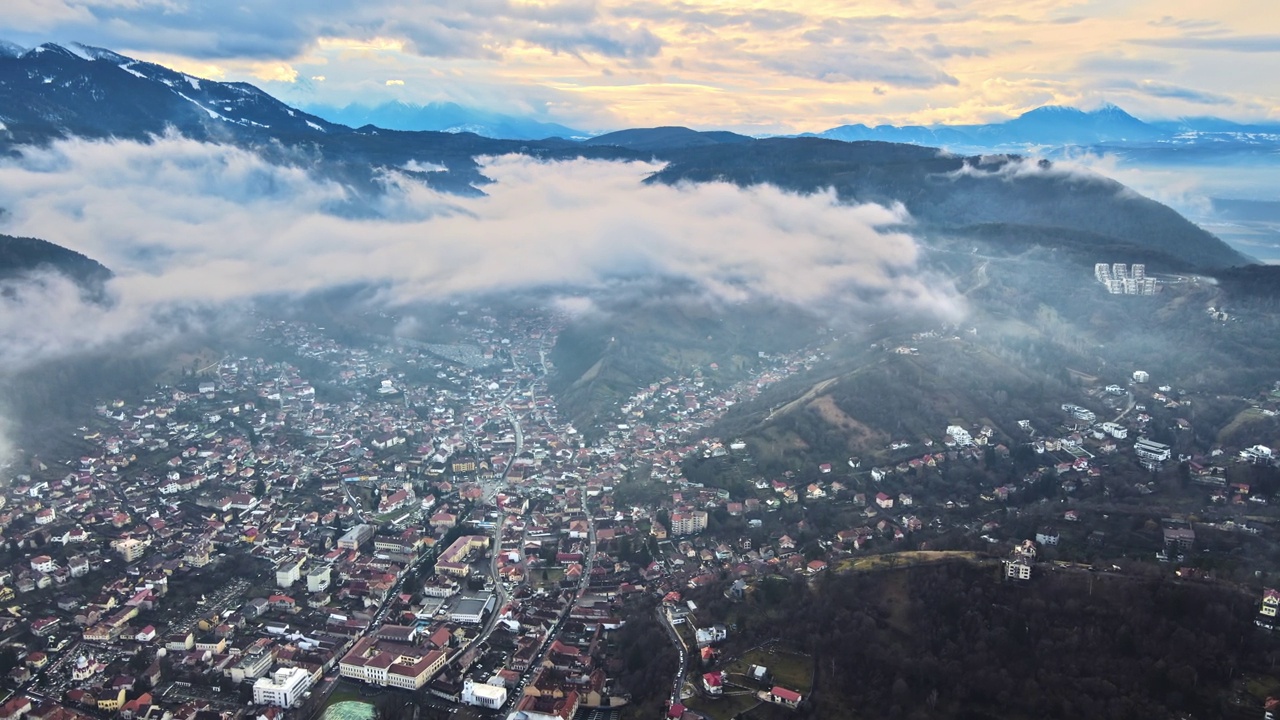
x=1179, y=188
x=188, y=226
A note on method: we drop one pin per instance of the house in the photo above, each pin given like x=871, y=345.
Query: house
x=713, y=683
x=784, y=697
x=1047, y=536
x=1179, y=538
x=1270, y=602
x=884, y=501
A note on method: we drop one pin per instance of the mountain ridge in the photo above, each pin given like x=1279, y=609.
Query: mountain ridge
x=1061, y=125
x=442, y=117
x=51, y=91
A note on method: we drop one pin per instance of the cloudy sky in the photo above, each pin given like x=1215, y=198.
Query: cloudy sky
x=775, y=65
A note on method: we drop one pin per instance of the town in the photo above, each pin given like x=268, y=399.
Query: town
x=412, y=524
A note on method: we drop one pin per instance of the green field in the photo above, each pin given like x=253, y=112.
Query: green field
x=789, y=669
x=553, y=576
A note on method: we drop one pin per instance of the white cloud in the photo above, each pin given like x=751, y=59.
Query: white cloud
x=188, y=226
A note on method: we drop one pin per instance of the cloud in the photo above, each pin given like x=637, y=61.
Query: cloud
x=1223, y=43
x=1171, y=92
x=1114, y=64
x=188, y=227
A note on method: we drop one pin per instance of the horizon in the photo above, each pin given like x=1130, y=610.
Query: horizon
x=320, y=108
x=601, y=66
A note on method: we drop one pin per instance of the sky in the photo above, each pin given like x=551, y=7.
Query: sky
x=765, y=67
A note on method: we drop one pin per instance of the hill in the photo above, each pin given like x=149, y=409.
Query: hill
x=950, y=639
x=442, y=117
x=20, y=256
x=944, y=191
x=662, y=139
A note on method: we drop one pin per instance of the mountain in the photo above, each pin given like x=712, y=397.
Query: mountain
x=56, y=91
x=666, y=138
x=443, y=117
x=947, y=193
x=1056, y=125
x=53, y=91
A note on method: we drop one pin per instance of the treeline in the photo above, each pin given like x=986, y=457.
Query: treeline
x=646, y=661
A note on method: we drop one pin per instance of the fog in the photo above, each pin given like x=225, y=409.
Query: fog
x=186, y=224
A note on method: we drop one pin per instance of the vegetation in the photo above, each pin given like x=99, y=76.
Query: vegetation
x=952, y=639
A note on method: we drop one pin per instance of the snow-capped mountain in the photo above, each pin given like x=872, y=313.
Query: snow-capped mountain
x=54, y=90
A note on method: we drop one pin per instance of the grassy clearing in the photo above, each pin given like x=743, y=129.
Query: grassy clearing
x=725, y=707
x=1248, y=416
x=789, y=669
x=902, y=559
x=546, y=577
x=1262, y=686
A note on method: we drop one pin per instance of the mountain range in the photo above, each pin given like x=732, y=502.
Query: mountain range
x=443, y=117
x=1054, y=125
x=53, y=91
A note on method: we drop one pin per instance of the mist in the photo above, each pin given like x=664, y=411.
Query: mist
x=186, y=225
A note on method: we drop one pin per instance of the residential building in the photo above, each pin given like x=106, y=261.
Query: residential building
x=283, y=688
x=1018, y=568
x=289, y=572
x=129, y=548
x=318, y=578
x=1152, y=450
x=1047, y=536
x=784, y=696
x=688, y=523
x=1270, y=602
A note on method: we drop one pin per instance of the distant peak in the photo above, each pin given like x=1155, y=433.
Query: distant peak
x=11, y=50
x=49, y=47
x=1110, y=109
x=1052, y=110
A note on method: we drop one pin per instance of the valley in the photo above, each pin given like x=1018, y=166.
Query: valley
x=323, y=422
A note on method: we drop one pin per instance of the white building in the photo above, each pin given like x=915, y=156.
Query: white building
x=289, y=572
x=1152, y=450
x=1017, y=569
x=283, y=688
x=318, y=578
x=483, y=695
x=1141, y=376
x=960, y=435
x=688, y=523
x=1115, y=430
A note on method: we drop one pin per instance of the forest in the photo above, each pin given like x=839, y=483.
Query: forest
x=956, y=640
